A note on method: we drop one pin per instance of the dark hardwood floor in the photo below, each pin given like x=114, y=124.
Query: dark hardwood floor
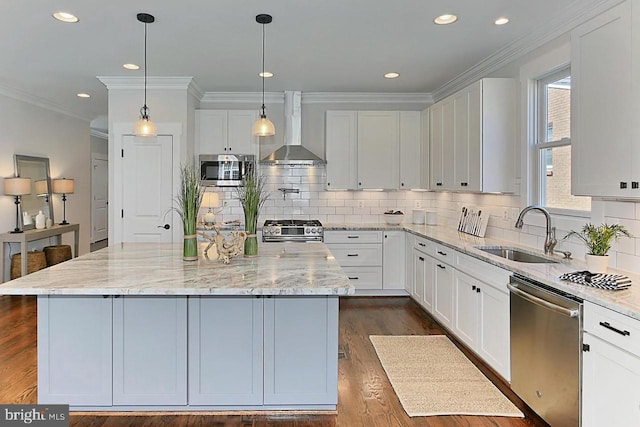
x=365, y=396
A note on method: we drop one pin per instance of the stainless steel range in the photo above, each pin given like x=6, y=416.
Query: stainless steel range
x=292, y=230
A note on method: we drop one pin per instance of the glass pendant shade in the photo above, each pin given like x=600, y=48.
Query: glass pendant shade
x=145, y=127
x=263, y=127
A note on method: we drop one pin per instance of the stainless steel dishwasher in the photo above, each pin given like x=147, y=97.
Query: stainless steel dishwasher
x=546, y=350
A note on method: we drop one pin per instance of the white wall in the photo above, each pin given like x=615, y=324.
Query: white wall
x=34, y=131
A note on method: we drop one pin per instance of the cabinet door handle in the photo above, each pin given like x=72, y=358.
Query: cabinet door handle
x=353, y=237
x=360, y=183
x=634, y=185
x=438, y=184
x=464, y=184
x=473, y=288
x=402, y=184
x=478, y=290
x=328, y=184
x=441, y=266
x=623, y=185
x=421, y=244
x=353, y=278
x=352, y=254
x=614, y=329
x=421, y=258
x=442, y=253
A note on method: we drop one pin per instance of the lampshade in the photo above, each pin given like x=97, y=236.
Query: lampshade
x=263, y=127
x=17, y=186
x=210, y=199
x=63, y=186
x=41, y=188
x=145, y=127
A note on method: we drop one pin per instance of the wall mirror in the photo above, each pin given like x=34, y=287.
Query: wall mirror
x=36, y=168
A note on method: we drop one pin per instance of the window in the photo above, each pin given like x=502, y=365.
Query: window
x=553, y=143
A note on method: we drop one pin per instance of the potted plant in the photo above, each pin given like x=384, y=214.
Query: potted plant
x=188, y=201
x=598, y=241
x=252, y=195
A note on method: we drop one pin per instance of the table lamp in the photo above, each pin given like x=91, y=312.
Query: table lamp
x=210, y=200
x=17, y=187
x=63, y=186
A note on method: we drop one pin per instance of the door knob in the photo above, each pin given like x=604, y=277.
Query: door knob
x=166, y=226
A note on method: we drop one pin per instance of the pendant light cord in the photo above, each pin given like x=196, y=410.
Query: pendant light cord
x=263, y=108
x=145, y=67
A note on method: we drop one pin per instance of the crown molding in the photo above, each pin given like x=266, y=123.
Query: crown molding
x=37, y=101
x=220, y=98
x=98, y=133
x=366, y=98
x=576, y=13
x=164, y=83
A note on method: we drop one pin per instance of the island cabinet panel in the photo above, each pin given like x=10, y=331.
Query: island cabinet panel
x=301, y=350
x=150, y=350
x=74, y=350
x=225, y=350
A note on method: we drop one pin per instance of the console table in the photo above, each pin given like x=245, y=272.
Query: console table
x=32, y=235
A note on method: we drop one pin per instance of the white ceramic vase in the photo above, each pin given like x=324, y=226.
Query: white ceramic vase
x=597, y=263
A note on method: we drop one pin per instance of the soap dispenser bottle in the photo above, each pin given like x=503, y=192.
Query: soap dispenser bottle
x=40, y=219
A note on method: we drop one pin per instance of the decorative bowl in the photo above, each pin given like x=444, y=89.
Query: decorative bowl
x=393, y=219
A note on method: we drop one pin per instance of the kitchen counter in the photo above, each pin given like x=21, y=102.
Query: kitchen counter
x=626, y=301
x=158, y=269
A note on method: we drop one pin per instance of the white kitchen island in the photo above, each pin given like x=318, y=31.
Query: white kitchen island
x=134, y=328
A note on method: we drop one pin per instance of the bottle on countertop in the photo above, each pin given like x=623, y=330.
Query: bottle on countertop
x=48, y=223
x=40, y=221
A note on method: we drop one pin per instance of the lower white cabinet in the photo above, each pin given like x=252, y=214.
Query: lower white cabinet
x=417, y=290
x=610, y=368
x=409, y=241
x=393, y=268
x=467, y=310
x=443, y=299
x=75, y=350
x=226, y=333
x=494, y=336
x=150, y=368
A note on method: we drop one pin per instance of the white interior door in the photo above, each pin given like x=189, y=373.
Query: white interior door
x=147, y=184
x=99, y=197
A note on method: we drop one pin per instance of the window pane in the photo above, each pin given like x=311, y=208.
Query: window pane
x=556, y=180
x=557, y=117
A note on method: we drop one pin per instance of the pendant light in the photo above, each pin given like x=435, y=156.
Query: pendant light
x=263, y=126
x=144, y=126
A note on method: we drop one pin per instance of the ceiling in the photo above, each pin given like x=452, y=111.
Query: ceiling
x=311, y=46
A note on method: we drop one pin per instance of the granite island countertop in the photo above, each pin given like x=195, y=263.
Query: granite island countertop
x=158, y=269
x=626, y=301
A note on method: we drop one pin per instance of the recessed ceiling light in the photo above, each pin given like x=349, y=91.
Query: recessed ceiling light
x=131, y=66
x=84, y=95
x=65, y=17
x=501, y=21
x=445, y=19
x=392, y=75
x=266, y=74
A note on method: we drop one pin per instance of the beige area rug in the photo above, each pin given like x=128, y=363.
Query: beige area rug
x=432, y=377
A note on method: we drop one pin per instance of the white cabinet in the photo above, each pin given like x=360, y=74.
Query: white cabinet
x=225, y=350
x=610, y=368
x=424, y=144
x=417, y=290
x=473, y=138
x=367, y=149
x=408, y=261
x=301, y=350
x=378, y=148
x=494, y=341
x=225, y=132
x=466, y=318
x=342, y=150
x=360, y=254
x=411, y=150
x=150, y=368
x=75, y=350
x=443, y=299
x=393, y=265
x=605, y=157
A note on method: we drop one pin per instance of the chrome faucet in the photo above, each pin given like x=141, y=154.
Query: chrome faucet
x=550, y=241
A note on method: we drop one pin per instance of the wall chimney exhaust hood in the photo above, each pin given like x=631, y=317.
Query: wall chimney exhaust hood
x=292, y=152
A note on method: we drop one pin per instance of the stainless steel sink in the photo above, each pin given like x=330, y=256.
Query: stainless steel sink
x=515, y=254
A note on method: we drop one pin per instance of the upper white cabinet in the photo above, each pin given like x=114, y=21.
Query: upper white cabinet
x=473, y=138
x=225, y=132
x=368, y=149
x=424, y=146
x=605, y=157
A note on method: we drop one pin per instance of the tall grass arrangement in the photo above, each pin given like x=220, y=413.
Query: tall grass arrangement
x=598, y=239
x=188, y=203
x=252, y=196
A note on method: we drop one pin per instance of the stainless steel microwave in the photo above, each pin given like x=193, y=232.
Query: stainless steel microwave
x=225, y=170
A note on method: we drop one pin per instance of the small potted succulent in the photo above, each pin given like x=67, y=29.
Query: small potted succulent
x=598, y=241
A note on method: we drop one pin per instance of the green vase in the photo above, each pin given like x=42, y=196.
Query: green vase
x=190, y=247
x=251, y=225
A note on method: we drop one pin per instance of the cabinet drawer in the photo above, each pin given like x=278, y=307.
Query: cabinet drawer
x=353, y=236
x=365, y=277
x=616, y=328
x=444, y=253
x=423, y=245
x=357, y=255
